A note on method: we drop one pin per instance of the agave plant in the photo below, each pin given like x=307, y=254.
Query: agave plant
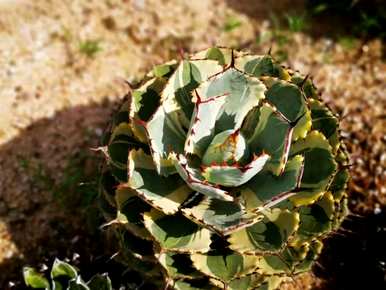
x=64, y=277
x=224, y=170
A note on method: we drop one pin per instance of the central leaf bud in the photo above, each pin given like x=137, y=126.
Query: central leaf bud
x=228, y=147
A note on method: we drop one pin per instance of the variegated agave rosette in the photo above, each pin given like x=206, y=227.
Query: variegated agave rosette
x=225, y=171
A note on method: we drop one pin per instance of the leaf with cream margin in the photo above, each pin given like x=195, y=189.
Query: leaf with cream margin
x=266, y=186
x=262, y=65
x=177, y=233
x=316, y=219
x=267, y=235
x=164, y=193
x=178, y=265
x=273, y=136
x=287, y=98
x=319, y=163
x=165, y=128
x=34, y=279
x=195, y=180
x=224, y=267
x=243, y=93
x=196, y=284
x=233, y=176
x=325, y=122
x=221, y=216
x=202, y=127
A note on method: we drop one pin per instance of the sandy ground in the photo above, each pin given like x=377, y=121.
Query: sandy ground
x=56, y=95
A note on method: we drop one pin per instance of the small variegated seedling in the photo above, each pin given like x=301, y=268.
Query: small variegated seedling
x=223, y=170
x=64, y=276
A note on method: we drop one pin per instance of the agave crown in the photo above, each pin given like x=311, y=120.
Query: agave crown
x=224, y=170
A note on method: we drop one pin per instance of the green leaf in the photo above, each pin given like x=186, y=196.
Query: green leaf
x=60, y=268
x=165, y=129
x=178, y=265
x=339, y=184
x=215, y=53
x=233, y=176
x=57, y=286
x=319, y=163
x=258, y=65
x=242, y=92
x=194, y=179
x=165, y=133
x=130, y=209
x=188, y=75
x=202, y=127
x=129, y=212
x=77, y=284
x=224, y=267
x=222, y=55
x=246, y=282
x=266, y=186
x=270, y=234
x=129, y=204
x=150, y=269
x=341, y=211
x=221, y=216
x=140, y=248
x=100, y=282
x=287, y=99
x=34, y=279
x=303, y=126
x=316, y=218
x=146, y=99
x=177, y=233
x=276, y=145
x=306, y=197
x=257, y=282
x=164, y=70
x=197, y=284
x=163, y=193
x=314, y=250
x=325, y=122
x=305, y=84
x=272, y=265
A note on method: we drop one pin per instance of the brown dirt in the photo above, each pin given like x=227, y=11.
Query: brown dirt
x=55, y=100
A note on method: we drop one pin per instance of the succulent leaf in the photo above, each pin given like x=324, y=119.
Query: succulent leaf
x=195, y=180
x=219, y=215
x=183, y=236
x=163, y=193
x=265, y=186
x=60, y=268
x=287, y=99
x=34, y=279
x=233, y=175
x=225, y=266
x=242, y=93
x=276, y=145
x=319, y=163
x=203, y=124
x=268, y=235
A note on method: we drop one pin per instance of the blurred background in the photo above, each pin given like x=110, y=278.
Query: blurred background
x=63, y=66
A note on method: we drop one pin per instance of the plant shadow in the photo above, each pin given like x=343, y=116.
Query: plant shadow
x=48, y=187
x=355, y=257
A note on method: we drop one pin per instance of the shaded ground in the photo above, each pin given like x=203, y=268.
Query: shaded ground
x=58, y=84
